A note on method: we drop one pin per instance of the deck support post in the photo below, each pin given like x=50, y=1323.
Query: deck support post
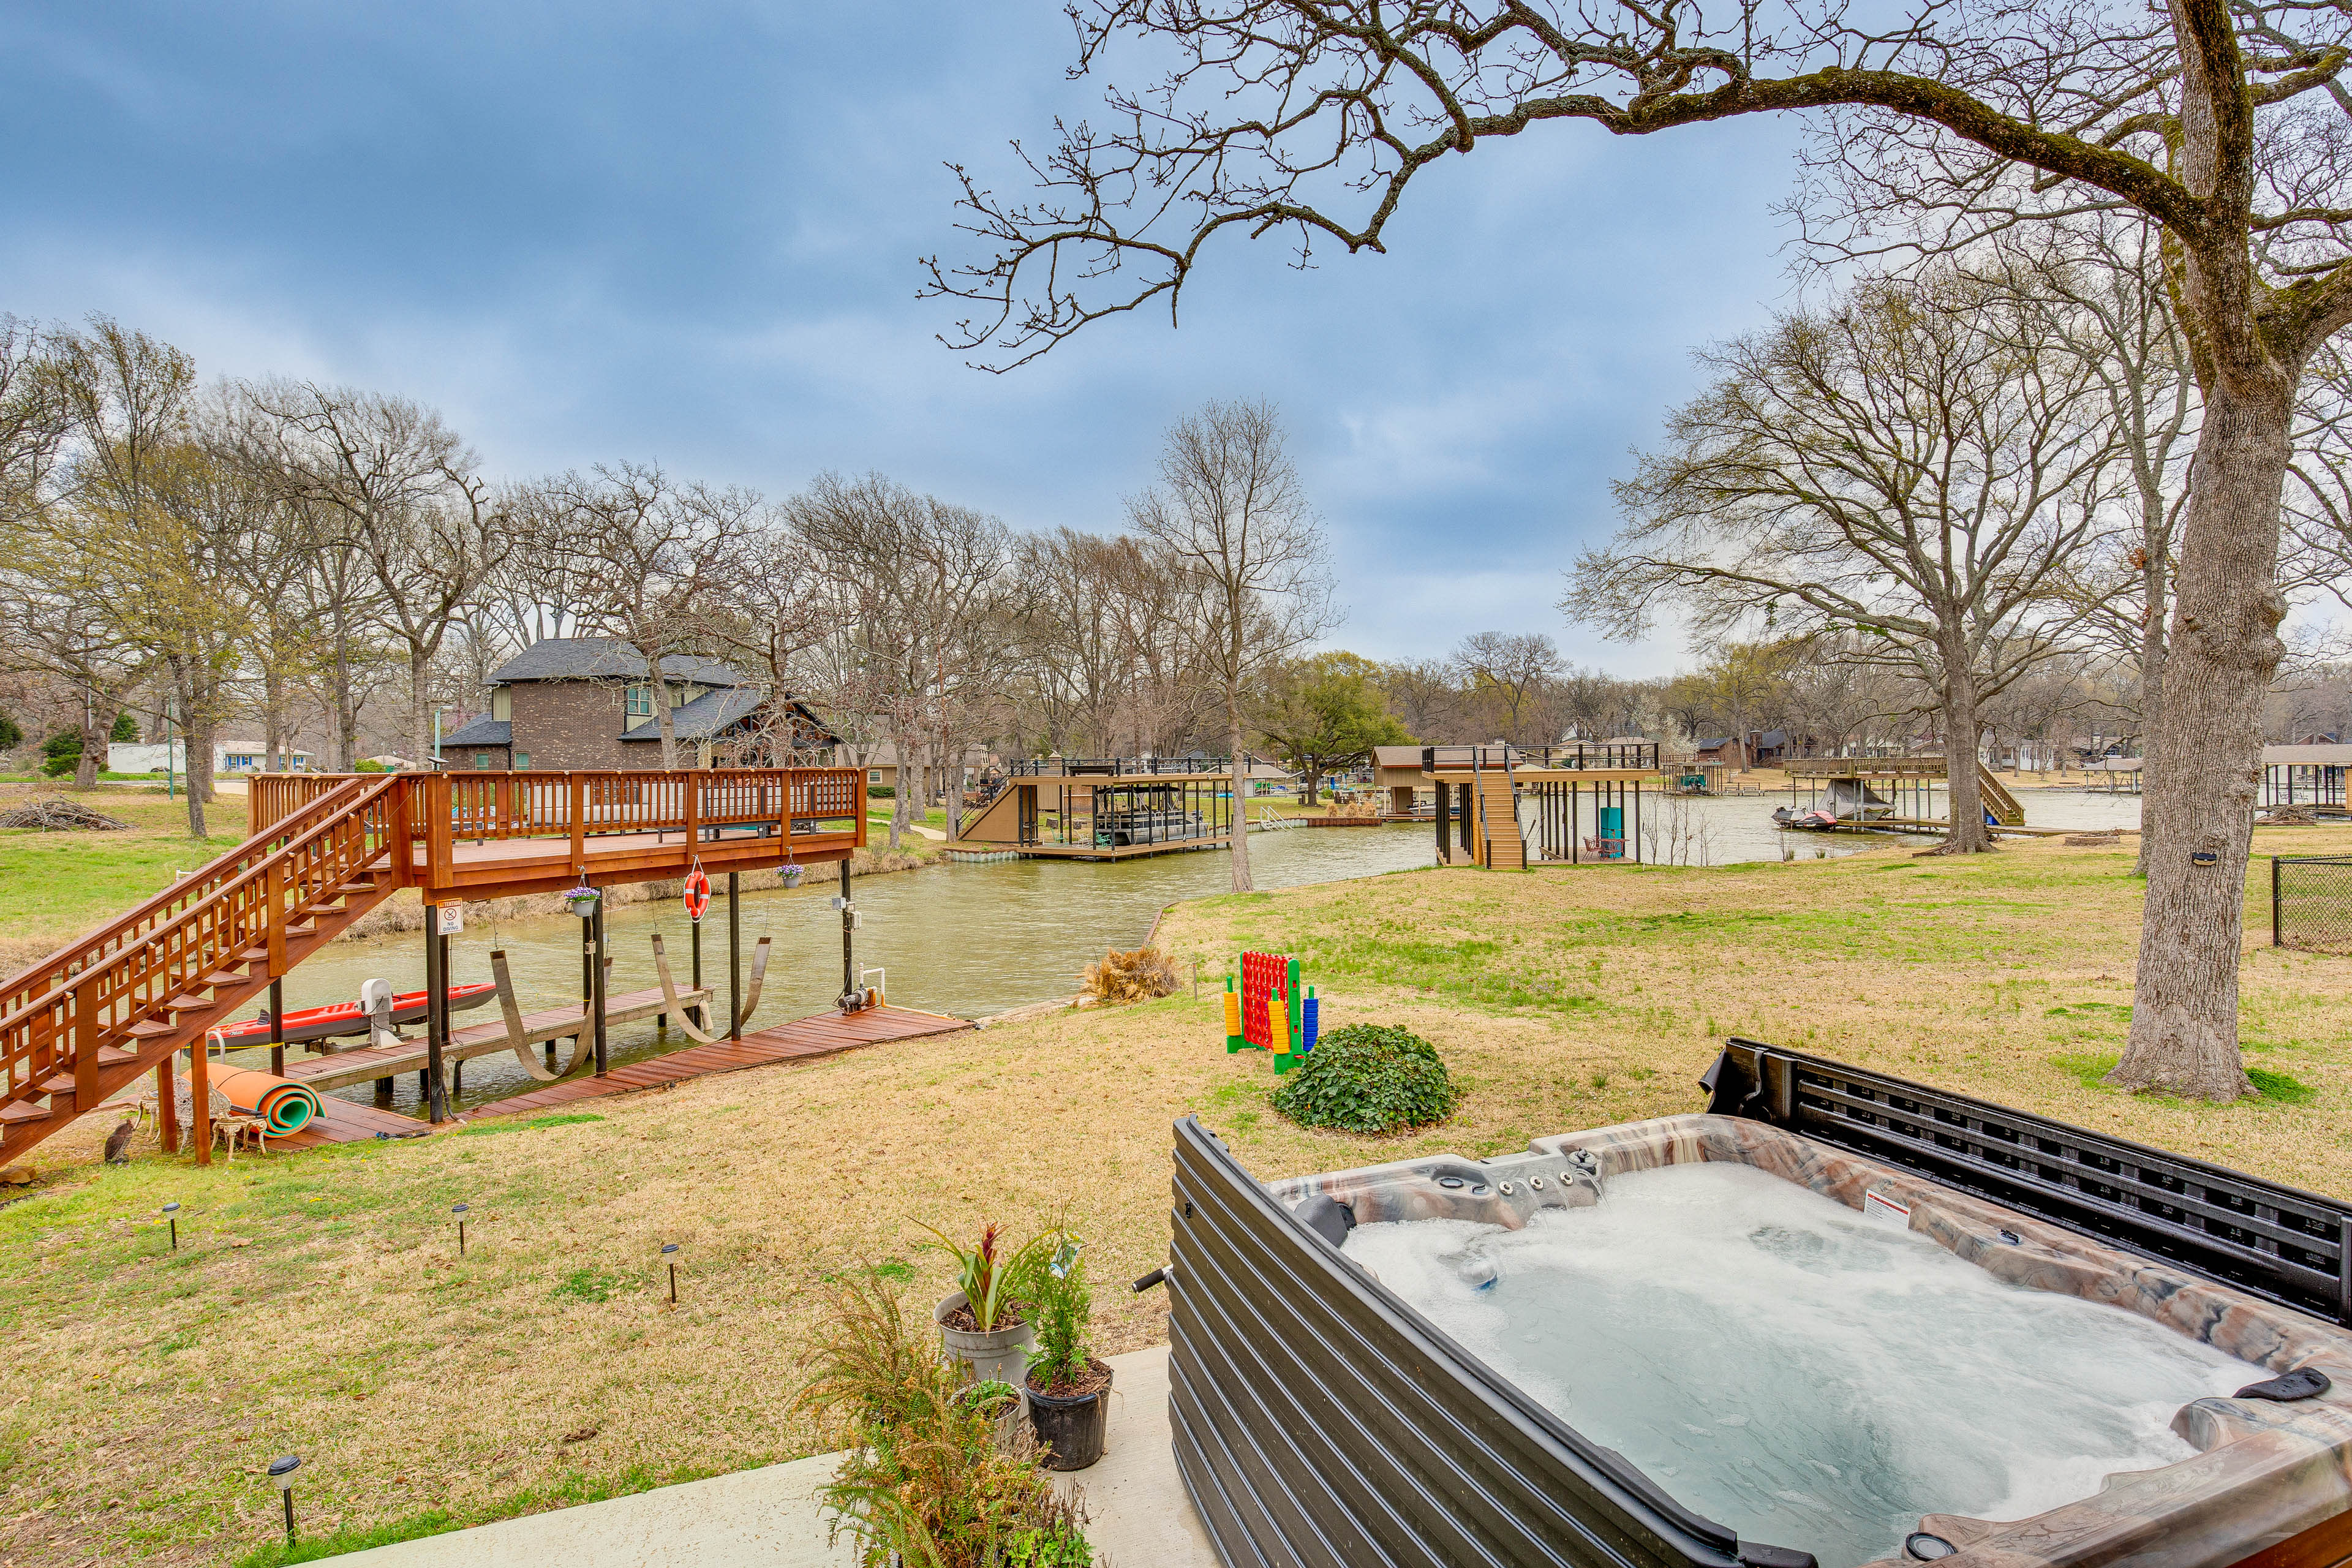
x=167, y=1103
x=697, y=1015
x=277, y=1026
x=200, y=1095
x=848, y=924
x=734, y=957
x=1445, y=829
x=596, y=938
x=436, y=1017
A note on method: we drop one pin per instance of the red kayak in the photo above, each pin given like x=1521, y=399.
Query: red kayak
x=345, y=1017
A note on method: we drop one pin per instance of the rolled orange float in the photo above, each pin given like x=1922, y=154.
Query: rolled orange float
x=286, y=1105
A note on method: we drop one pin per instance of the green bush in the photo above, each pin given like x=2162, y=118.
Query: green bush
x=881, y=792
x=1369, y=1078
x=368, y=765
x=11, y=734
x=61, y=753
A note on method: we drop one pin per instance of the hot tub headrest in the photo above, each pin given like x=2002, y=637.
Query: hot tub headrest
x=1327, y=1217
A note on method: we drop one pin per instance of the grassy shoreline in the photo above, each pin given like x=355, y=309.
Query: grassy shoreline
x=317, y=1305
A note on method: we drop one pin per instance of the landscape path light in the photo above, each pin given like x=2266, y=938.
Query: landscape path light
x=171, y=1213
x=281, y=1470
x=459, y=1210
x=669, y=1247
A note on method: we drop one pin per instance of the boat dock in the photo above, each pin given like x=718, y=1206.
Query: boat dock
x=341, y=1070
x=803, y=1039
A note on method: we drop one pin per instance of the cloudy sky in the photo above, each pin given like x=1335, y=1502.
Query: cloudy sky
x=690, y=233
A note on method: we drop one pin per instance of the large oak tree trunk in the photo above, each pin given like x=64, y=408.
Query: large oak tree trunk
x=1961, y=787
x=93, y=748
x=2207, y=759
x=1241, y=883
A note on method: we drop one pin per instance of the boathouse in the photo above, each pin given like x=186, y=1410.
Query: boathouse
x=2306, y=775
x=1111, y=808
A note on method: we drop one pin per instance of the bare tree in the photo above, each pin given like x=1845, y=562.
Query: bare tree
x=411, y=506
x=2221, y=122
x=654, y=564
x=922, y=650
x=1903, y=469
x=1510, y=672
x=1229, y=510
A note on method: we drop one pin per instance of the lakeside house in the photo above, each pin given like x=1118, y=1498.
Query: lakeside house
x=228, y=757
x=590, y=702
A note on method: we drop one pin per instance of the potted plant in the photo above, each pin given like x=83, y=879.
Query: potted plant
x=983, y=1322
x=1068, y=1388
x=923, y=1479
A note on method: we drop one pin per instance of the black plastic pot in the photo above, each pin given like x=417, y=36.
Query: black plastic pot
x=1073, y=1426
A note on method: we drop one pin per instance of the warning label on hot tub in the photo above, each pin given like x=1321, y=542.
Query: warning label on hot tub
x=1886, y=1210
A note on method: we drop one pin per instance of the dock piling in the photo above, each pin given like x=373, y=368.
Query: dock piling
x=596, y=944
x=435, y=1080
x=734, y=958
x=277, y=1026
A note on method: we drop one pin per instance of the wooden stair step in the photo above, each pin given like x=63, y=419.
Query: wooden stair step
x=151, y=1029
x=191, y=1003
x=18, y=1111
x=225, y=977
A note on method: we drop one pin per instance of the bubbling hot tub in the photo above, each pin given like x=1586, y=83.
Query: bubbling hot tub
x=1711, y=1340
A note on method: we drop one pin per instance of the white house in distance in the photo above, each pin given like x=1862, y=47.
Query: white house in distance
x=228, y=757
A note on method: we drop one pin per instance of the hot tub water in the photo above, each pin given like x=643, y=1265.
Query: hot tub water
x=1807, y=1376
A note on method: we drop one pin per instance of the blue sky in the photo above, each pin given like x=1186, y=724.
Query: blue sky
x=690, y=233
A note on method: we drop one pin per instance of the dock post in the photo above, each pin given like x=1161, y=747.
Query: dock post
x=1444, y=832
x=698, y=1014
x=167, y=1103
x=436, y=1017
x=848, y=923
x=276, y=1026
x=200, y=1097
x=596, y=938
x=734, y=958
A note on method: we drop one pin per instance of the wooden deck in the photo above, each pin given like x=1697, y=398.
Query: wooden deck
x=506, y=868
x=341, y=1122
x=341, y=1070
x=804, y=1039
x=1126, y=852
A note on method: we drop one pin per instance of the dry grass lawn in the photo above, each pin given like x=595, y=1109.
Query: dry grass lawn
x=316, y=1304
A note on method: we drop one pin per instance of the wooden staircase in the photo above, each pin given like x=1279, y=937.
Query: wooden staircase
x=1494, y=805
x=1998, y=800
x=91, y=1016
x=997, y=820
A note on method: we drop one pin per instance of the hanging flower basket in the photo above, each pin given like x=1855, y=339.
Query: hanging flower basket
x=791, y=876
x=581, y=901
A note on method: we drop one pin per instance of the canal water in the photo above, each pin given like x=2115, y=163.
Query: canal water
x=974, y=939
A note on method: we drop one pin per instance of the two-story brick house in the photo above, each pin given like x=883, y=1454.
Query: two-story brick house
x=588, y=702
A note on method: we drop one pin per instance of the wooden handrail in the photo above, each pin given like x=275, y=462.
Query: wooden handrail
x=205, y=880
x=204, y=906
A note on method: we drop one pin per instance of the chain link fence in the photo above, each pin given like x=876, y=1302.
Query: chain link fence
x=2311, y=902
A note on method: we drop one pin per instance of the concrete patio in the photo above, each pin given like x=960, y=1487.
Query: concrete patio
x=769, y=1518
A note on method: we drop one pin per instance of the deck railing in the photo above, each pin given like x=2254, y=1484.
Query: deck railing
x=1120, y=767
x=55, y=1026
x=138, y=926
x=534, y=804
x=1573, y=756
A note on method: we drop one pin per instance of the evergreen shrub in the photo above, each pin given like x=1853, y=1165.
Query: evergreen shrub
x=1369, y=1078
